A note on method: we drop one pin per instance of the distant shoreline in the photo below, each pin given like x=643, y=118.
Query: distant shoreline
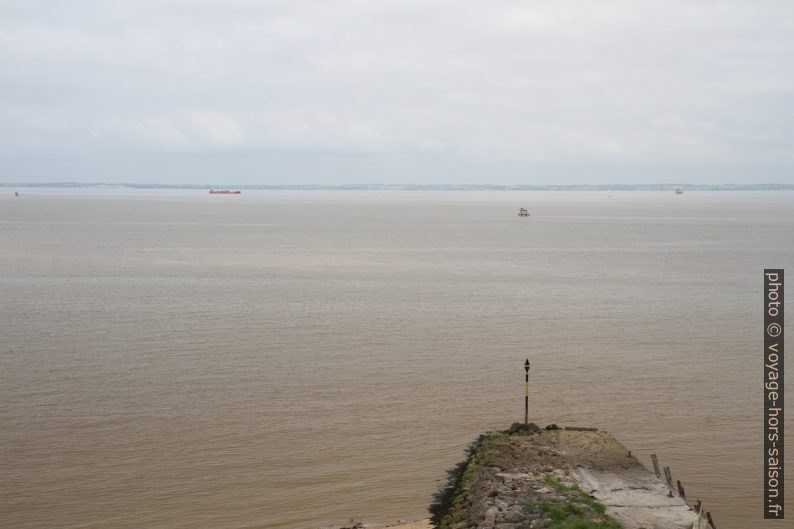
x=416, y=187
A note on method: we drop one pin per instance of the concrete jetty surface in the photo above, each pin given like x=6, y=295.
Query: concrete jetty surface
x=551, y=479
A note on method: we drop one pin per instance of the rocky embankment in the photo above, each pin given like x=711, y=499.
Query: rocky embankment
x=557, y=479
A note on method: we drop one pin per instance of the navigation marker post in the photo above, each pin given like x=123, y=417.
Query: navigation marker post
x=526, y=392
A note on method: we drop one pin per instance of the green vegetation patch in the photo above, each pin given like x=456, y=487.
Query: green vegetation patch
x=558, y=485
x=578, y=511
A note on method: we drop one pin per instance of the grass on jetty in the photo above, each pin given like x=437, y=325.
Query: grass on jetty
x=558, y=485
x=578, y=511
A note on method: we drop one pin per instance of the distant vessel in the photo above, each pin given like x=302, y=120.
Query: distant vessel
x=224, y=192
x=678, y=191
x=523, y=213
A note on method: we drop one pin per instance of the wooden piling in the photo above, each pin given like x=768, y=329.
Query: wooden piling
x=656, y=470
x=711, y=522
x=669, y=477
x=699, y=511
x=681, y=492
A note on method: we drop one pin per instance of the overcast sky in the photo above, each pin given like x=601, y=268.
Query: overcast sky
x=410, y=91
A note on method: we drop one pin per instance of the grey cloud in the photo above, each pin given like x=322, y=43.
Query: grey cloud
x=408, y=91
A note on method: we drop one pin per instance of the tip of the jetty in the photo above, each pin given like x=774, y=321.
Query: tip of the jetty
x=520, y=428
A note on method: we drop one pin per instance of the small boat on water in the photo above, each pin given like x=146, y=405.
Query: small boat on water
x=225, y=192
x=678, y=191
x=523, y=212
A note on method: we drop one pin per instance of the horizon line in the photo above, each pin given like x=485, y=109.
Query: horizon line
x=417, y=187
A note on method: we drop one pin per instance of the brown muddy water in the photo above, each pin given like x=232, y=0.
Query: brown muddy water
x=289, y=360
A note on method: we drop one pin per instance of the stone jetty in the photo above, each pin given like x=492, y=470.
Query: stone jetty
x=574, y=478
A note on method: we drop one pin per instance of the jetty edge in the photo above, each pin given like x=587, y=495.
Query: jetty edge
x=559, y=478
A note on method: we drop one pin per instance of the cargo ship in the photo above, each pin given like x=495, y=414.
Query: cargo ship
x=224, y=192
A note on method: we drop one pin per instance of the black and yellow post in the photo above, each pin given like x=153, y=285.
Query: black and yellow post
x=526, y=392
